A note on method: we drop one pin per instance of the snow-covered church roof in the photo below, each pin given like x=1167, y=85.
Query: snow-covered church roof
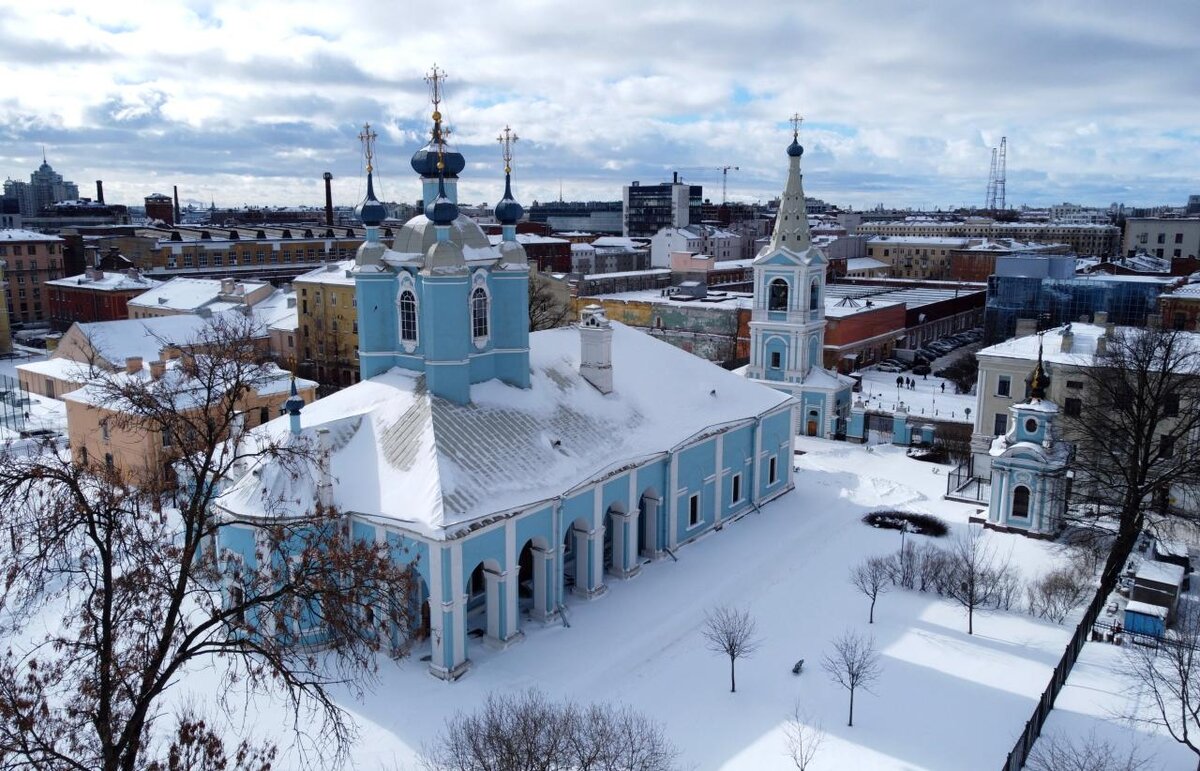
x=435, y=467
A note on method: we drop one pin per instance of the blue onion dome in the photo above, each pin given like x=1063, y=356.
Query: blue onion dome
x=371, y=211
x=508, y=211
x=795, y=149
x=424, y=161
x=441, y=210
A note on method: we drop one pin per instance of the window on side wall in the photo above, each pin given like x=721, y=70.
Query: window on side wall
x=736, y=488
x=694, y=510
x=1000, y=425
x=773, y=471
x=1004, y=386
x=776, y=359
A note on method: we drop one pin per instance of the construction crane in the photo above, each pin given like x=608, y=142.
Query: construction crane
x=724, y=177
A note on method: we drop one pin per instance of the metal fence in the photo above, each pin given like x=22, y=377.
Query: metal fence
x=1033, y=727
x=14, y=405
x=963, y=485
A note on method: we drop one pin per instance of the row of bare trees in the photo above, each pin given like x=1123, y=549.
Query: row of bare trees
x=974, y=575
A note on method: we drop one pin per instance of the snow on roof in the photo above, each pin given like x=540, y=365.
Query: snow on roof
x=110, y=281
x=278, y=311
x=330, y=273
x=620, y=241
x=529, y=238
x=188, y=294
x=1160, y=573
x=1083, y=345
x=1146, y=609
x=59, y=369
x=864, y=263
x=186, y=391
x=628, y=273
x=1187, y=290
x=18, y=234
x=116, y=341
x=432, y=465
x=927, y=240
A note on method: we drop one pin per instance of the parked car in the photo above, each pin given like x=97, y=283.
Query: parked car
x=921, y=369
x=885, y=367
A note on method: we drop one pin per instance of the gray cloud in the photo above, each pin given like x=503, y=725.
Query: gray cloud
x=255, y=101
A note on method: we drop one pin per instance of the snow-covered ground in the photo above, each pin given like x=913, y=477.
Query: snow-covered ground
x=44, y=414
x=945, y=700
x=926, y=398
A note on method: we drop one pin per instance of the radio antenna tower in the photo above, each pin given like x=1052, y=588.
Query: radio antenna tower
x=1001, y=173
x=989, y=200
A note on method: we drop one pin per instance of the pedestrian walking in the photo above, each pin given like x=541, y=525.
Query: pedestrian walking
x=943, y=388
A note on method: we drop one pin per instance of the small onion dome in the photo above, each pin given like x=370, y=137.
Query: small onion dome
x=441, y=210
x=371, y=211
x=508, y=211
x=795, y=149
x=294, y=403
x=424, y=161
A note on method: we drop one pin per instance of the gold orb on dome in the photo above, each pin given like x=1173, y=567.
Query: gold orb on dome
x=437, y=115
x=440, y=165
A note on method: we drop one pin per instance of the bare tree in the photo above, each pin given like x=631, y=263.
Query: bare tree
x=547, y=309
x=904, y=565
x=973, y=572
x=931, y=568
x=871, y=578
x=1168, y=676
x=803, y=736
x=528, y=731
x=853, y=664
x=130, y=559
x=1058, y=592
x=732, y=632
x=1059, y=752
x=1135, y=436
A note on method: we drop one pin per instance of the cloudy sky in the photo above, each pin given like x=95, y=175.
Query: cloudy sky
x=249, y=102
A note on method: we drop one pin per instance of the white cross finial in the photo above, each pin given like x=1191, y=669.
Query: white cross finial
x=367, y=137
x=796, y=120
x=506, y=139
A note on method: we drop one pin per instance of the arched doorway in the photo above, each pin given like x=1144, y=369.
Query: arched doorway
x=812, y=425
x=621, y=536
x=1020, y=502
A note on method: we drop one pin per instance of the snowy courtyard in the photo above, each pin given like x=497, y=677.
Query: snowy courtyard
x=944, y=700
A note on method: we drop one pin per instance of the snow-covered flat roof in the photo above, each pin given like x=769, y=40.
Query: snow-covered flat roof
x=1083, y=345
x=60, y=369
x=110, y=281
x=921, y=240
x=1160, y=572
x=433, y=466
x=19, y=234
x=529, y=238
x=864, y=263
x=116, y=341
x=330, y=273
x=187, y=294
x=1146, y=609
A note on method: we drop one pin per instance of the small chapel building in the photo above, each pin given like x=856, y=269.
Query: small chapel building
x=517, y=472
x=787, y=322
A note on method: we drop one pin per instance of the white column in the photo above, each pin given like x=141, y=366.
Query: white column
x=618, y=521
x=595, y=540
x=495, y=586
x=543, y=572
x=512, y=615
x=672, y=494
x=719, y=507
x=650, y=526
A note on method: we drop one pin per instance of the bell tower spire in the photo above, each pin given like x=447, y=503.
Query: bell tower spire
x=791, y=223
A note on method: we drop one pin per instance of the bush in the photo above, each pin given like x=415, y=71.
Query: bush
x=921, y=524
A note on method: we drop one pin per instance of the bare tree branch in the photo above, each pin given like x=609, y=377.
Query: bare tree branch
x=732, y=632
x=853, y=664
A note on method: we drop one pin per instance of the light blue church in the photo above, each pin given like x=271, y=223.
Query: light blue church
x=787, y=322
x=519, y=472
x=1031, y=466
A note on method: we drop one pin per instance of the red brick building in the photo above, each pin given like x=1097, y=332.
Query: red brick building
x=859, y=332
x=31, y=259
x=96, y=295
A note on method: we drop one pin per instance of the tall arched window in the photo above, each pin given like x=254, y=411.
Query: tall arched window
x=479, y=313
x=1020, y=506
x=814, y=296
x=777, y=297
x=408, y=316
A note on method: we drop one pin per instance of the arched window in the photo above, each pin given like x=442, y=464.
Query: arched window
x=1020, y=505
x=479, y=313
x=814, y=296
x=408, y=316
x=777, y=297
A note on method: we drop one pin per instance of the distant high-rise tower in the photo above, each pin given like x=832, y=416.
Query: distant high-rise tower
x=996, y=177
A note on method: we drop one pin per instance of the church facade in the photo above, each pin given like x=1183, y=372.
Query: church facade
x=518, y=473
x=787, y=323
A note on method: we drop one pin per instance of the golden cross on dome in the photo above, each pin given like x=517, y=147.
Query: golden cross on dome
x=437, y=80
x=506, y=140
x=367, y=137
x=795, y=120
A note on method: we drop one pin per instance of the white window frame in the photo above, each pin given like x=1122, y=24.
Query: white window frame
x=408, y=285
x=479, y=283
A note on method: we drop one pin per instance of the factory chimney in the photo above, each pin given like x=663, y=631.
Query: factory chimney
x=176, y=204
x=99, y=191
x=328, y=199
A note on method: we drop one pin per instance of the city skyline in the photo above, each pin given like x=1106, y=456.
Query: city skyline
x=251, y=103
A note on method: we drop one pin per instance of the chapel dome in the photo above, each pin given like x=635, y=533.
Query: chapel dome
x=418, y=234
x=424, y=161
